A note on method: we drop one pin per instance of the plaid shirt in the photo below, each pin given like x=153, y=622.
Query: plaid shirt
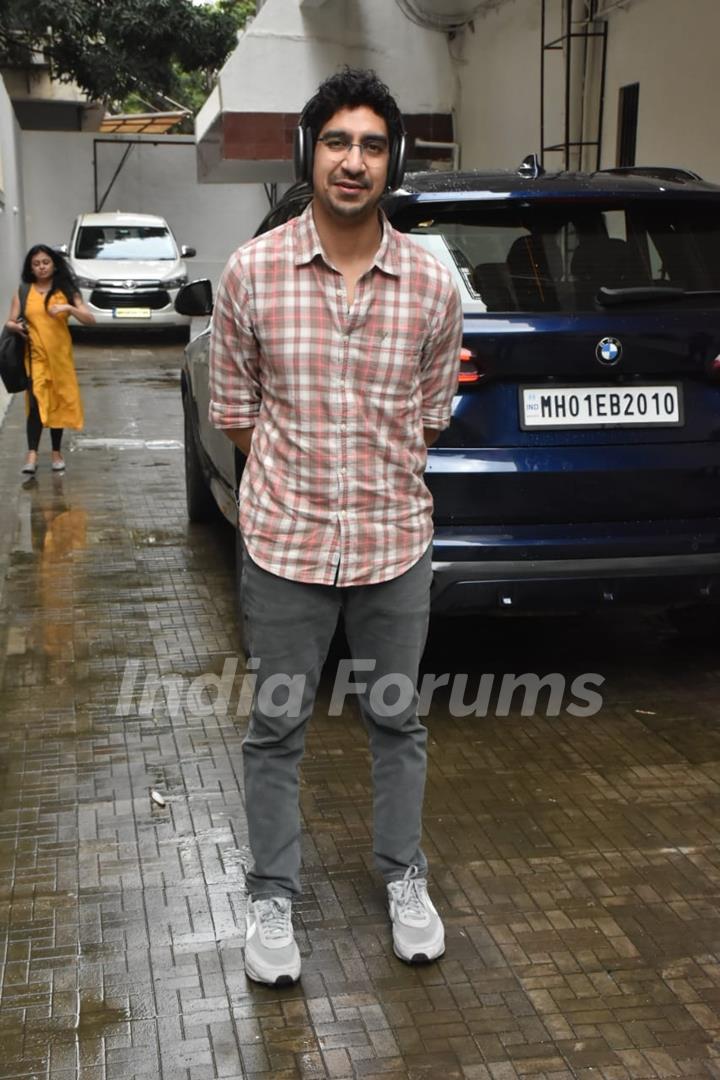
x=333, y=490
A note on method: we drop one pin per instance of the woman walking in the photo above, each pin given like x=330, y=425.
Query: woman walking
x=53, y=399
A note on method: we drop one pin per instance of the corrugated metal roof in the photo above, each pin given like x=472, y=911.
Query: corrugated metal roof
x=157, y=123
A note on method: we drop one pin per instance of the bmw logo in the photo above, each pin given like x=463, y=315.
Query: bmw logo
x=608, y=351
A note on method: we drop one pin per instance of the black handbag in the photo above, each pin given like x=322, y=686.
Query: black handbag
x=12, y=353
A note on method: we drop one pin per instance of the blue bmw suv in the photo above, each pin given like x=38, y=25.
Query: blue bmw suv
x=581, y=469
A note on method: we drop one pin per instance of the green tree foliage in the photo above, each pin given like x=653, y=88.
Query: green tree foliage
x=115, y=48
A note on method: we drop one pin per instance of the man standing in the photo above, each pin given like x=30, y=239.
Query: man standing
x=334, y=358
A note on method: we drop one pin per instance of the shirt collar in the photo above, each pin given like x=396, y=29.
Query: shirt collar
x=309, y=247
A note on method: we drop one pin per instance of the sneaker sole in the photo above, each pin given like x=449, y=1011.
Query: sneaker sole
x=288, y=978
x=421, y=958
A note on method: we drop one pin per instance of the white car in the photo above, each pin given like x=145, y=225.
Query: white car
x=129, y=269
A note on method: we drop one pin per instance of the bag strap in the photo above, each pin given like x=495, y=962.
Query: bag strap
x=23, y=293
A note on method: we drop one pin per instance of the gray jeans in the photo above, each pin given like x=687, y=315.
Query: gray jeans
x=289, y=626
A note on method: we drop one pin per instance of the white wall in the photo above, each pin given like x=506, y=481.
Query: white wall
x=669, y=46
x=12, y=238
x=157, y=178
x=287, y=50
x=499, y=102
x=671, y=49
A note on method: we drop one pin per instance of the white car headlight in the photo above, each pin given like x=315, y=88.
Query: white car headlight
x=176, y=282
x=86, y=283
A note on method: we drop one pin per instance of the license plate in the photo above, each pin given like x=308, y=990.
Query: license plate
x=600, y=406
x=131, y=313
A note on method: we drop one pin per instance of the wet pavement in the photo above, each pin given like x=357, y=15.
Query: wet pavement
x=574, y=858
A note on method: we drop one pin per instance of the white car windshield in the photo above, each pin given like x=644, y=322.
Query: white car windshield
x=128, y=242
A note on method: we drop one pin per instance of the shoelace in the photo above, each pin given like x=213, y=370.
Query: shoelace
x=274, y=917
x=409, y=896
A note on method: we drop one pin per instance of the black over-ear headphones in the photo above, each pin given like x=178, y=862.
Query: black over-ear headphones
x=304, y=150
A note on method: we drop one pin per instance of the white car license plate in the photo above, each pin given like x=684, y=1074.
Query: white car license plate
x=600, y=406
x=131, y=313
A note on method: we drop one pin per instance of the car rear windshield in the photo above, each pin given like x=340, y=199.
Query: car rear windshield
x=555, y=256
x=124, y=242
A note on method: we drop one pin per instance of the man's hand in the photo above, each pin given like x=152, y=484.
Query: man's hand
x=241, y=437
x=430, y=435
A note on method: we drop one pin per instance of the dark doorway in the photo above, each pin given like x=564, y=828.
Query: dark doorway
x=627, y=124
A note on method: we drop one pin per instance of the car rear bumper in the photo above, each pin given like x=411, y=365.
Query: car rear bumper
x=527, y=585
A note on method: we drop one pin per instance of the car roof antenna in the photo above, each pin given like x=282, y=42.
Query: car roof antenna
x=531, y=166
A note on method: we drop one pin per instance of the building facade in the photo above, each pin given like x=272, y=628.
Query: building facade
x=633, y=81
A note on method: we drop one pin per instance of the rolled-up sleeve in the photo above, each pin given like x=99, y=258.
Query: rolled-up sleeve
x=441, y=361
x=234, y=353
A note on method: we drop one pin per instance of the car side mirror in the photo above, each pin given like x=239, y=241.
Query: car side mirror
x=195, y=298
x=187, y=252
x=62, y=248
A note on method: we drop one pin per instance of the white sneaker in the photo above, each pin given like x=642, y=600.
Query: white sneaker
x=418, y=932
x=271, y=955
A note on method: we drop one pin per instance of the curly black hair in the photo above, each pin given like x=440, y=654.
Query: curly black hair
x=351, y=89
x=62, y=275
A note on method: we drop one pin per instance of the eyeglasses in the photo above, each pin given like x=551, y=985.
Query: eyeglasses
x=373, y=147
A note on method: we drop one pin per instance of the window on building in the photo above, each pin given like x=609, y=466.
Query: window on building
x=627, y=124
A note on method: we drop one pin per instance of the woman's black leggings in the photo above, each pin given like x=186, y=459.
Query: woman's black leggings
x=35, y=427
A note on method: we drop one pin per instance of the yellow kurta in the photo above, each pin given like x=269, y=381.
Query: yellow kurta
x=52, y=368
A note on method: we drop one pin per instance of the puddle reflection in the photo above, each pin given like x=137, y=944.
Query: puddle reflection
x=57, y=530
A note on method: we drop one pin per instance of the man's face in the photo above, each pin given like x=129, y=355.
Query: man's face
x=349, y=180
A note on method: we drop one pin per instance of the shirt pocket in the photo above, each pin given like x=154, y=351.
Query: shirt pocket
x=387, y=366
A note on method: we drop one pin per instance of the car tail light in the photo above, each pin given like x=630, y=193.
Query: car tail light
x=469, y=368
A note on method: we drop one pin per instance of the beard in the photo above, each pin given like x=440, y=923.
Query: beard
x=359, y=206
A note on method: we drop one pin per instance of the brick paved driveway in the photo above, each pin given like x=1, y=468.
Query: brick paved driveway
x=575, y=859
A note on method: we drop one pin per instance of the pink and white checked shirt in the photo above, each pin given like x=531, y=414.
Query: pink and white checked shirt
x=333, y=489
